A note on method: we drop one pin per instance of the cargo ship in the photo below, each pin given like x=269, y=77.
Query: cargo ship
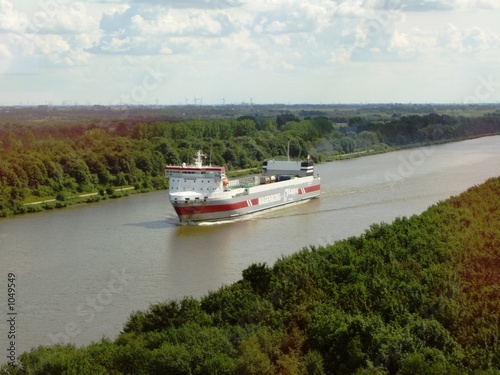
x=204, y=193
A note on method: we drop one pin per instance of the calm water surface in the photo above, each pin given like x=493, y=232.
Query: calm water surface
x=81, y=271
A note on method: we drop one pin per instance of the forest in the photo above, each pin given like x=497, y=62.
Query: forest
x=418, y=296
x=57, y=161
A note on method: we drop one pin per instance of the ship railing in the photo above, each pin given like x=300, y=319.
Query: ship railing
x=244, y=182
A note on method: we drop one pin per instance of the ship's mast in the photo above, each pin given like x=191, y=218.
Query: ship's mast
x=198, y=163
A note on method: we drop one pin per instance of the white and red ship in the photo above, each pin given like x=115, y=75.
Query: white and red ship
x=204, y=193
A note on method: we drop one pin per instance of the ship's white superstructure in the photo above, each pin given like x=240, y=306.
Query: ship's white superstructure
x=203, y=193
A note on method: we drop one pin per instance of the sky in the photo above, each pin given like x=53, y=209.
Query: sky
x=214, y=52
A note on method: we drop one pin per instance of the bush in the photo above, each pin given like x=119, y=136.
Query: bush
x=60, y=196
x=34, y=208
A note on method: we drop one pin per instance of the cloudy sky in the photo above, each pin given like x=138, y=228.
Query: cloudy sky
x=263, y=51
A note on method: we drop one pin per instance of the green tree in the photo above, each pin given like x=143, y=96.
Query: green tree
x=348, y=144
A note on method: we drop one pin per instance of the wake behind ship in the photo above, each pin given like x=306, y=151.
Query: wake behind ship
x=204, y=193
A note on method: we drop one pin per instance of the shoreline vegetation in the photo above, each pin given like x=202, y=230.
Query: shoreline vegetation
x=418, y=296
x=52, y=202
x=61, y=157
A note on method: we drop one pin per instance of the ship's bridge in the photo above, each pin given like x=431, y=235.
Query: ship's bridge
x=204, y=181
x=196, y=178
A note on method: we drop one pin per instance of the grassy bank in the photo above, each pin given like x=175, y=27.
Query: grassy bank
x=38, y=204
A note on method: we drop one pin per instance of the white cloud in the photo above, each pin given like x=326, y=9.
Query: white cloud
x=478, y=4
x=430, y=5
x=293, y=17
x=160, y=21
x=311, y=42
x=352, y=9
x=51, y=44
x=56, y=33
x=71, y=17
x=4, y=51
x=192, y=4
x=11, y=20
x=412, y=46
x=427, y=5
x=468, y=41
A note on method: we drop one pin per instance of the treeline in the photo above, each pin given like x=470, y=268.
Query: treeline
x=419, y=296
x=432, y=127
x=61, y=161
x=361, y=134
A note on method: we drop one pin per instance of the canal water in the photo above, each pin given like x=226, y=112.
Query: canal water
x=81, y=271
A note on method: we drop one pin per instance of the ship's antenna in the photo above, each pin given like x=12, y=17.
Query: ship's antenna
x=198, y=162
